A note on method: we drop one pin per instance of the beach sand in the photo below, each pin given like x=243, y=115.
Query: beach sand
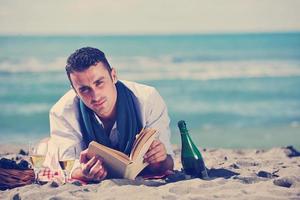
x=235, y=174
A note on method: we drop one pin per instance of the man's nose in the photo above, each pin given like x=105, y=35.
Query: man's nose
x=96, y=95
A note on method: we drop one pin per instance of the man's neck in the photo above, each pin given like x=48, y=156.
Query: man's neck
x=109, y=121
x=108, y=124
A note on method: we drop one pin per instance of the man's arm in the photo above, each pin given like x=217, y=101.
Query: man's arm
x=65, y=134
x=159, y=155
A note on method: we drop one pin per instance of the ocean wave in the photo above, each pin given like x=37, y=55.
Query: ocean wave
x=32, y=65
x=259, y=109
x=8, y=109
x=165, y=68
x=161, y=68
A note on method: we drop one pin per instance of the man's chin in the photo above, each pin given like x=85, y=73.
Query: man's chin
x=100, y=112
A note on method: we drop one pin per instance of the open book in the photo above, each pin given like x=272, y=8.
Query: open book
x=118, y=164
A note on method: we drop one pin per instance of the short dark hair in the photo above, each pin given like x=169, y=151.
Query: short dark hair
x=84, y=58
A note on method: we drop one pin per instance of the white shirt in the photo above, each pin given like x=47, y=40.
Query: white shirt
x=65, y=130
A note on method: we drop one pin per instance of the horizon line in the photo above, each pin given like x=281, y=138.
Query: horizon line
x=153, y=34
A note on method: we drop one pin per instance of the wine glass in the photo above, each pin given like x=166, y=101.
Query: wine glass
x=67, y=164
x=36, y=158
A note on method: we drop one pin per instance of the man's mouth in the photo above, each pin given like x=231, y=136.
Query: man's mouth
x=99, y=103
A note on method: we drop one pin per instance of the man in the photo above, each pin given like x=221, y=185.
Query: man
x=100, y=107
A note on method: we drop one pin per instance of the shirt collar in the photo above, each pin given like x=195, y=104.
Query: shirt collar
x=100, y=122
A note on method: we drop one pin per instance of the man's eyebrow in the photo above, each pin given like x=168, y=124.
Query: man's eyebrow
x=83, y=87
x=99, y=79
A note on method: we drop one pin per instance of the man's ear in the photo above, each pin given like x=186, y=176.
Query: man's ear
x=71, y=87
x=71, y=84
x=113, y=74
x=74, y=91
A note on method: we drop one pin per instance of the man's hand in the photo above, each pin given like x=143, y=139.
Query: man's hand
x=156, y=153
x=92, y=170
x=157, y=158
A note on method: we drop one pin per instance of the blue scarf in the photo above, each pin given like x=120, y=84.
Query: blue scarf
x=128, y=122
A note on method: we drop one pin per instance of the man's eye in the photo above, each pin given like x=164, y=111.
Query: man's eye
x=84, y=90
x=99, y=83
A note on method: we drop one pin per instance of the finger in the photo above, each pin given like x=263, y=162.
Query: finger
x=152, y=152
x=96, y=168
x=91, y=162
x=104, y=175
x=157, y=158
x=158, y=148
x=83, y=157
x=87, y=166
x=154, y=157
x=154, y=144
x=101, y=174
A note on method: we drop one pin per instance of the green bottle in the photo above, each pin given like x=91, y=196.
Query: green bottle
x=192, y=161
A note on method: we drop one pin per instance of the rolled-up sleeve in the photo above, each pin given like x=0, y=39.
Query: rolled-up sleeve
x=157, y=118
x=65, y=142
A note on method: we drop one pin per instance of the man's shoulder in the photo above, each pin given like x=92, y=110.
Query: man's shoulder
x=141, y=91
x=66, y=103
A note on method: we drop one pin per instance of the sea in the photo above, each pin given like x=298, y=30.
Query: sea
x=233, y=90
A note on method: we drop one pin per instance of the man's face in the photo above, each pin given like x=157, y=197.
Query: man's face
x=96, y=88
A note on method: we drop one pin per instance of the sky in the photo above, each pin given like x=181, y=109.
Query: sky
x=51, y=17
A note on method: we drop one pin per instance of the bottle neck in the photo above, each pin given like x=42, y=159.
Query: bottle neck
x=182, y=127
x=184, y=132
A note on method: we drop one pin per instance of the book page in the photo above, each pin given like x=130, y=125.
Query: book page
x=138, y=138
x=121, y=156
x=115, y=162
x=142, y=143
x=133, y=169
